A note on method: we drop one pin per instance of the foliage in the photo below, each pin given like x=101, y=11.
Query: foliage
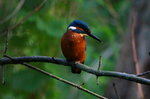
x=41, y=34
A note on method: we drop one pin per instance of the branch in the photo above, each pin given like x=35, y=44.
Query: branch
x=144, y=73
x=2, y=69
x=61, y=62
x=100, y=63
x=21, y=21
x=15, y=26
x=134, y=52
x=63, y=80
x=116, y=92
x=60, y=79
x=16, y=10
x=2, y=79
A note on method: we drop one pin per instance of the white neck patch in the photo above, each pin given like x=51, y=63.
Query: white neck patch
x=72, y=28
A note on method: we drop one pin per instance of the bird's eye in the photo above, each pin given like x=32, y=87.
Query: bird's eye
x=87, y=31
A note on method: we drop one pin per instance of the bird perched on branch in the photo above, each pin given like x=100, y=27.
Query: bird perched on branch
x=73, y=43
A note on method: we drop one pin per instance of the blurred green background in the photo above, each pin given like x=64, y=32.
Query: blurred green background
x=40, y=35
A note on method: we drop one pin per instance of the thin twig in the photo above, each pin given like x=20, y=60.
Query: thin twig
x=65, y=81
x=26, y=17
x=116, y=92
x=2, y=74
x=144, y=73
x=115, y=15
x=61, y=79
x=16, y=25
x=135, y=58
x=100, y=62
x=6, y=44
x=16, y=10
x=63, y=62
x=4, y=53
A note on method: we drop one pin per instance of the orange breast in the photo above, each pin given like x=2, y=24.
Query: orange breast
x=73, y=46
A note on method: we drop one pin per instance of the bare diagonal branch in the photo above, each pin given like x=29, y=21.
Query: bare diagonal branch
x=60, y=79
x=21, y=21
x=65, y=81
x=16, y=10
x=134, y=52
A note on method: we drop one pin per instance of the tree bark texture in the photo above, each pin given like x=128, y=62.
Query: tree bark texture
x=126, y=89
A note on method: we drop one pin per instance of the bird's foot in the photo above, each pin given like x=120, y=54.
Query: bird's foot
x=77, y=62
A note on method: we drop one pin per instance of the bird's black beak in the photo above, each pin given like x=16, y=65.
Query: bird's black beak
x=93, y=36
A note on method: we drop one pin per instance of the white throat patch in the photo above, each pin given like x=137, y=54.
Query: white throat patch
x=72, y=28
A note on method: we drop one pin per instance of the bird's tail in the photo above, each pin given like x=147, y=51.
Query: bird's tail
x=75, y=70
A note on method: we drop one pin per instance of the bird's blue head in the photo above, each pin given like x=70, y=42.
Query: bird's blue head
x=81, y=27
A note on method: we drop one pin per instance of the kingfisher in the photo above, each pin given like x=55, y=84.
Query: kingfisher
x=73, y=43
